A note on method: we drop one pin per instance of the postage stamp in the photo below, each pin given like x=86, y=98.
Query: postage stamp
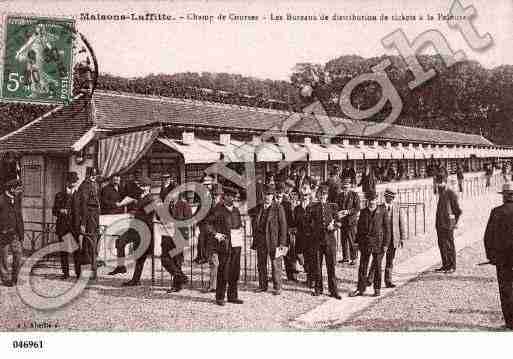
x=37, y=60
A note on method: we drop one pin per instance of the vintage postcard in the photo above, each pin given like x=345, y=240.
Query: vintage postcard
x=244, y=166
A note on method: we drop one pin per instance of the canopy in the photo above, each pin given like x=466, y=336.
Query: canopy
x=117, y=154
x=195, y=152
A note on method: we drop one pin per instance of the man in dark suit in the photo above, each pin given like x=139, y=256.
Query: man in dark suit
x=88, y=218
x=63, y=211
x=395, y=234
x=210, y=241
x=269, y=235
x=111, y=196
x=348, y=203
x=226, y=227
x=333, y=184
x=322, y=217
x=181, y=211
x=372, y=243
x=11, y=230
x=448, y=213
x=301, y=229
x=498, y=242
x=141, y=214
x=290, y=259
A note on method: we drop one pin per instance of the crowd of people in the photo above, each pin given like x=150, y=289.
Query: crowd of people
x=293, y=225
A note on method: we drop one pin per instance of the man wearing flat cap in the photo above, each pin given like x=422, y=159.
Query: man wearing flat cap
x=269, y=236
x=11, y=230
x=498, y=242
x=348, y=203
x=226, y=227
x=394, y=233
x=63, y=211
x=322, y=216
x=88, y=218
x=448, y=212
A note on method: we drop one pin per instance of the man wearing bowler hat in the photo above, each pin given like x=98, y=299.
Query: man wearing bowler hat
x=210, y=241
x=498, y=242
x=63, y=211
x=348, y=203
x=269, y=237
x=394, y=233
x=372, y=243
x=448, y=212
x=11, y=230
x=322, y=217
x=87, y=219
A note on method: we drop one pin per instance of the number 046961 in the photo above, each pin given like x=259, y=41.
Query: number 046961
x=27, y=344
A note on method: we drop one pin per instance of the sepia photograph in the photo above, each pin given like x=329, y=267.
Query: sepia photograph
x=308, y=167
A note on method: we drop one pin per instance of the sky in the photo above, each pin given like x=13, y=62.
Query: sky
x=265, y=48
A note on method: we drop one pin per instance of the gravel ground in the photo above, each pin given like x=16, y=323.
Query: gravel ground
x=107, y=306
x=467, y=300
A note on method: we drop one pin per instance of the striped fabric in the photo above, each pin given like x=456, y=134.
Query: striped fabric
x=118, y=154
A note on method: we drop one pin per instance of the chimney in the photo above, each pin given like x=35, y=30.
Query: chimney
x=345, y=142
x=256, y=141
x=410, y=146
x=308, y=141
x=388, y=145
x=375, y=144
x=325, y=140
x=283, y=140
x=361, y=143
x=188, y=138
x=224, y=139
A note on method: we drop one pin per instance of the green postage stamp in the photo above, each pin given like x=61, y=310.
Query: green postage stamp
x=37, y=59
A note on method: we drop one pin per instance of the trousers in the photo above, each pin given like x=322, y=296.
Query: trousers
x=16, y=249
x=375, y=270
x=446, y=246
x=326, y=251
x=228, y=274
x=505, y=281
x=347, y=239
x=276, y=269
x=64, y=257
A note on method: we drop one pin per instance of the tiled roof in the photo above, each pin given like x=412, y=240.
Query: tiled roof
x=59, y=129
x=56, y=131
x=120, y=111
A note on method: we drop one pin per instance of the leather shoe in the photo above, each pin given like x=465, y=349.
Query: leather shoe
x=220, y=302
x=130, y=284
x=336, y=296
x=235, y=301
x=356, y=293
x=277, y=292
x=450, y=270
x=390, y=285
x=260, y=290
x=377, y=292
x=441, y=269
x=118, y=270
x=174, y=290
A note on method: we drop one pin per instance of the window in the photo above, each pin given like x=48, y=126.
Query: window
x=160, y=166
x=32, y=181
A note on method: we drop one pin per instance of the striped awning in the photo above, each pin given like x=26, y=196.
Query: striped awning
x=293, y=152
x=317, y=152
x=117, y=154
x=195, y=152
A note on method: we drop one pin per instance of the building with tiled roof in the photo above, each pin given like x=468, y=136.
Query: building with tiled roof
x=120, y=133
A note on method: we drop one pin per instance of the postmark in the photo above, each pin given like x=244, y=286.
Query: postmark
x=37, y=59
